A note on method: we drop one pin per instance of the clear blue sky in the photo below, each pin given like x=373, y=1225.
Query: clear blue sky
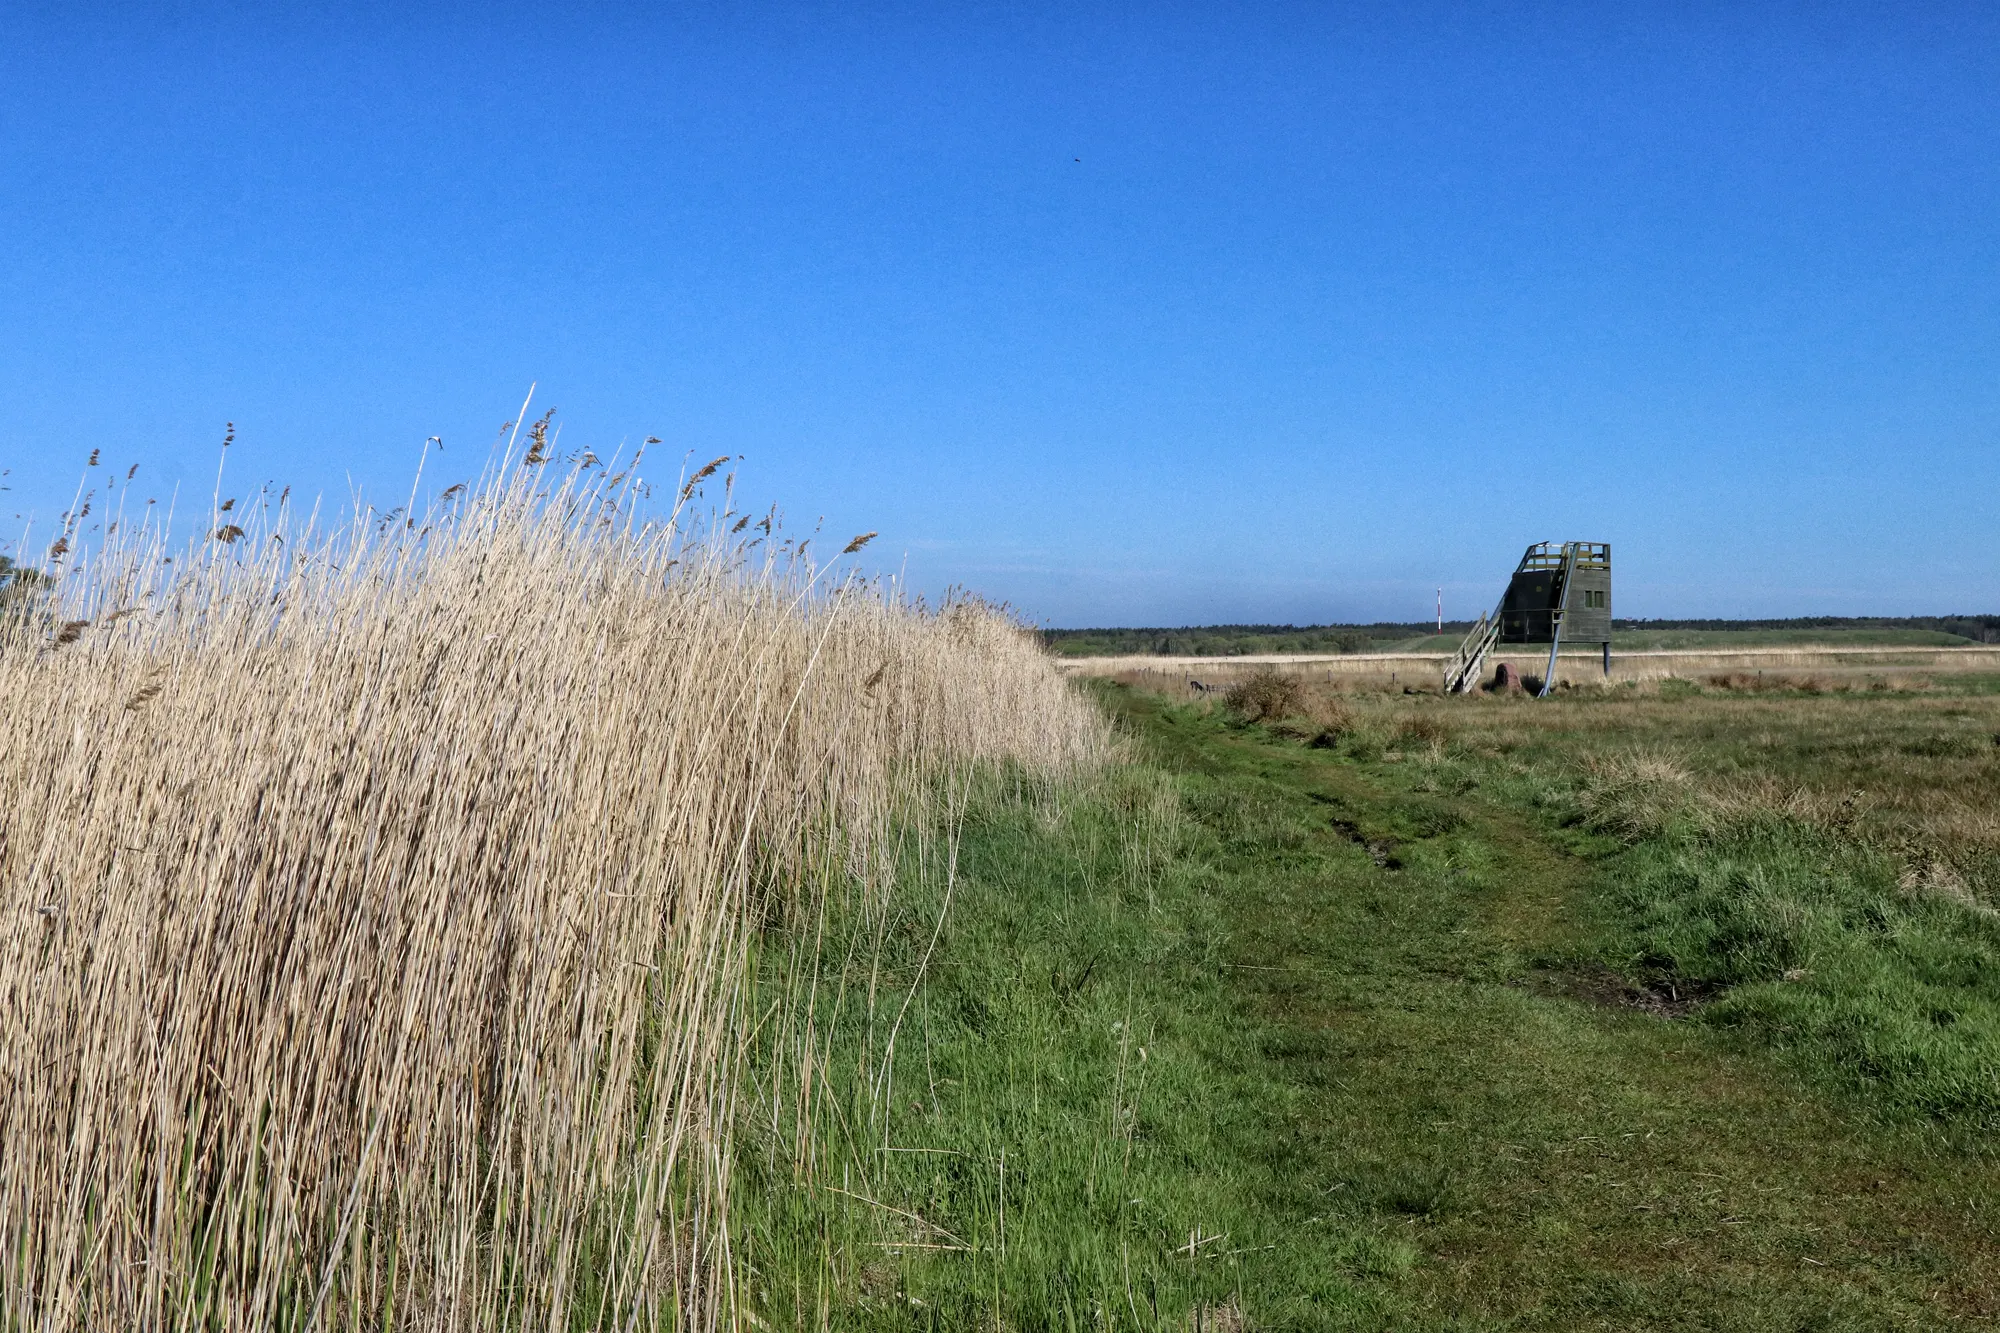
x=1128, y=314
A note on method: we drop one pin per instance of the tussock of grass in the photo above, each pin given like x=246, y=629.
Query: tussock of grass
x=1265, y=696
x=1635, y=796
x=1422, y=729
x=377, y=904
x=1884, y=981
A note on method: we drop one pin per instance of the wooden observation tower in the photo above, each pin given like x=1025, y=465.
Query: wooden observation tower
x=1560, y=593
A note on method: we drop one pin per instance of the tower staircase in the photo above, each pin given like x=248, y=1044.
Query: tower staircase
x=1467, y=667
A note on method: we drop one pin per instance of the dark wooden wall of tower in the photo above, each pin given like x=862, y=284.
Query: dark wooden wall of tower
x=1588, y=619
x=1527, y=613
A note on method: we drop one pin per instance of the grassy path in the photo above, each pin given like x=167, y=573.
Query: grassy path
x=1557, y=1157
x=1390, y=1089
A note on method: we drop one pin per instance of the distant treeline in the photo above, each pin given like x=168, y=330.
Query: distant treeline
x=1232, y=640
x=1979, y=629
x=1237, y=640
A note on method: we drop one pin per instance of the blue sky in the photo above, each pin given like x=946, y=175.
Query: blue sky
x=1126, y=314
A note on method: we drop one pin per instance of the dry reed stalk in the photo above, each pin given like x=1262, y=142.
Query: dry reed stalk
x=375, y=903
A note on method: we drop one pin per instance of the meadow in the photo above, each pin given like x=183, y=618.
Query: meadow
x=1656, y=1006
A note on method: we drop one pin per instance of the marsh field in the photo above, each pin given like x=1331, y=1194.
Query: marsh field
x=1664, y=1006
x=547, y=916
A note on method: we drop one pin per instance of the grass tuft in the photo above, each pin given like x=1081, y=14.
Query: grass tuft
x=1265, y=696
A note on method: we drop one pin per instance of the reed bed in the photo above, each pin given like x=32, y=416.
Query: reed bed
x=1582, y=666
x=376, y=901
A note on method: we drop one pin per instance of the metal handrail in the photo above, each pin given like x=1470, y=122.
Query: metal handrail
x=1469, y=662
x=1556, y=620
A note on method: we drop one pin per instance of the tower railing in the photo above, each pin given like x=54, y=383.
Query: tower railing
x=1567, y=562
x=1468, y=665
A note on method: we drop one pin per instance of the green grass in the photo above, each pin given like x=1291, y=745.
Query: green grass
x=1391, y=1059
x=1826, y=866
x=1822, y=952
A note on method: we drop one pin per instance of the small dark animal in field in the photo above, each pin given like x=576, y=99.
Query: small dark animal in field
x=1200, y=688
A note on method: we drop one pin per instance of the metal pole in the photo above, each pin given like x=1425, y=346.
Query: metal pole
x=1549, y=676
x=1607, y=659
x=1556, y=629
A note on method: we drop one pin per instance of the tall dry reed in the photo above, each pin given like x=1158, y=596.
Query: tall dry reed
x=375, y=903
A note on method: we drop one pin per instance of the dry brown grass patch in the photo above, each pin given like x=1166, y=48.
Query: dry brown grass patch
x=1423, y=729
x=1763, y=681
